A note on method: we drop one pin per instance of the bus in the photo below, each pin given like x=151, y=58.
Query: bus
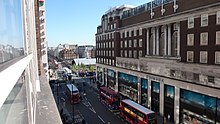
x=135, y=113
x=109, y=97
x=73, y=93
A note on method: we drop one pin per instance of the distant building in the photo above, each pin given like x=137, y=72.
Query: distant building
x=85, y=51
x=68, y=54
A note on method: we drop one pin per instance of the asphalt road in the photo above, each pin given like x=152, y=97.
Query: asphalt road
x=89, y=109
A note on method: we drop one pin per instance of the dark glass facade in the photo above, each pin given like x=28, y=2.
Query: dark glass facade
x=111, y=82
x=198, y=108
x=99, y=74
x=144, y=98
x=169, y=94
x=128, y=86
x=11, y=31
x=155, y=96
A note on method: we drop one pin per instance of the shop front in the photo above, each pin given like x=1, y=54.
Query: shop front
x=144, y=98
x=128, y=86
x=99, y=75
x=198, y=108
x=111, y=79
x=155, y=96
x=169, y=94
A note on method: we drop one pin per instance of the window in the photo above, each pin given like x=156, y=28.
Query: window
x=113, y=35
x=121, y=53
x=203, y=57
x=125, y=34
x=204, y=20
x=140, y=31
x=113, y=53
x=115, y=25
x=121, y=35
x=135, y=43
x=110, y=44
x=130, y=33
x=204, y=38
x=189, y=56
x=125, y=43
x=218, y=37
x=130, y=53
x=217, y=57
x=190, y=39
x=211, y=79
x=113, y=45
x=121, y=44
x=140, y=42
x=106, y=44
x=135, y=32
x=135, y=53
x=110, y=53
x=218, y=17
x=140, y=53
x=130, y=43
x=125, y=53
x=191, y=22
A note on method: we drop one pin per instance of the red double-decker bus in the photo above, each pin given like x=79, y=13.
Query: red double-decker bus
x=73, y=93
x=135, y=113
x=109, y=97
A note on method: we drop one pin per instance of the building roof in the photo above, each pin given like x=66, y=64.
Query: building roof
x=85, y=61
x=137, y=106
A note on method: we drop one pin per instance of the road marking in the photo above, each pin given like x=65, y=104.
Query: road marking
x=92, y=110
x=101, y=119
x=89, y=103
x=85, y=98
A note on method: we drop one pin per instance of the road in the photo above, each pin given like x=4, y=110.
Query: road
x=90, y=108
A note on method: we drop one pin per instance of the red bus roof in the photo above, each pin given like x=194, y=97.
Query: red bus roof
x=110, y=91
x=139, y=107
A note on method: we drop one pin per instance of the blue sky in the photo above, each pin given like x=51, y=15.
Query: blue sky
x=75, y=21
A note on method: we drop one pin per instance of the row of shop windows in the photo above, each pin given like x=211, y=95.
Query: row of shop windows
x=194, y=107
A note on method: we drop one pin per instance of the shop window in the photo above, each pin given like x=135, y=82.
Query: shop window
x=191, y=22
x=218, y=38
x=190, y=39
x=190, y=56
x=204, y=20
x=204, y=38
x=203, y=56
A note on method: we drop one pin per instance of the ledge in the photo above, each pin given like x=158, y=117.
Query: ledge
x=46, y=108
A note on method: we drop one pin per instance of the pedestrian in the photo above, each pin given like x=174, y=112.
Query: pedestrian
x=83, y=121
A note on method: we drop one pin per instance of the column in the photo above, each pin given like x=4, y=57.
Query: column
x=148, y=47
x=139, y=90
x=103, y=76
x=106, y=79
x=177, y=105
x=149, y=93
x=154, y=41
x=169, y=39
x=116, y=80
x=161, y=98
x=178, y=39
x=165, y=40
x=157, y=41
